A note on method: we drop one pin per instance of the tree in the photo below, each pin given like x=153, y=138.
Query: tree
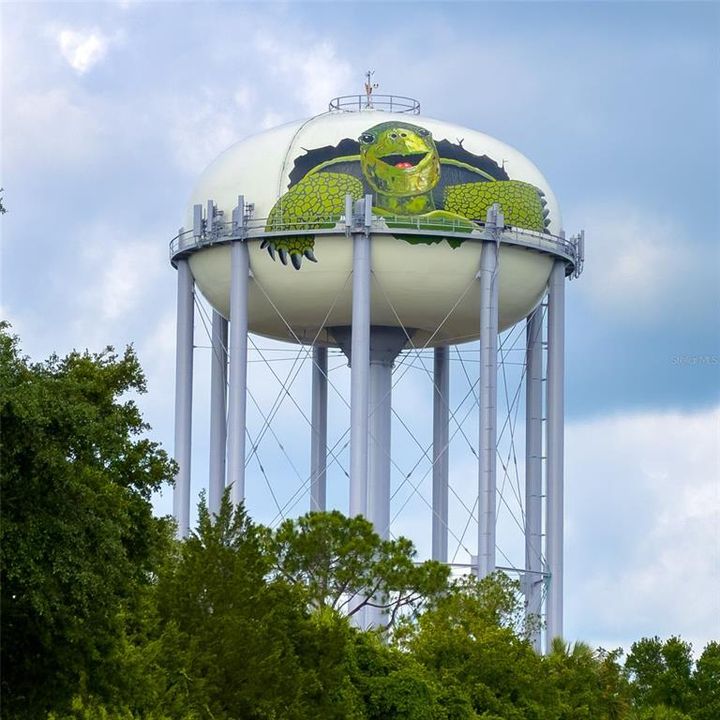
x=661, y=673
x=705, y=703
x=589, y=683
x=471, y=641
x=78, y=537
x=237, y=641
x=344, y=565
x=392, y=684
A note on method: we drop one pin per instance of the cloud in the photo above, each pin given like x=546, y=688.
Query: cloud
x=124, y=273
x=304, y=77
x=642, y=523
x=271, y=119
x=314, y=72
x=643, y=519
x=202, y=127
x=82, y=49
x=51, y=128
x=636, y=262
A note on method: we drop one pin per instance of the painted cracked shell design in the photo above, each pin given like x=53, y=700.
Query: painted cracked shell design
x=409, y=175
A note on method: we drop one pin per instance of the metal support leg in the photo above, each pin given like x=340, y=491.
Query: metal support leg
x=385, y=344
x=318, y=442
x=488, y=405
x=441, y=436
x=237, y=391
x=218, y=411
x=378, y=492
x=533, y=472
x=183, y=397
x=359, y=374
x=555, y=450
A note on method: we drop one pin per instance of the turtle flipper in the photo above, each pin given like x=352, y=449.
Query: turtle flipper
x=316, y=202
x=295, y=247
x=523, y=204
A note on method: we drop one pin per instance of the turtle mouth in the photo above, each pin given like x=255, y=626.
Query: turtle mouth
x=404, y=162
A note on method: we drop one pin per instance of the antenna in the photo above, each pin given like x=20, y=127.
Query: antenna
x=369, y=87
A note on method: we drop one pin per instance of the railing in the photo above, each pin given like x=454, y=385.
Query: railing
x=221, y=232
x=392, y=103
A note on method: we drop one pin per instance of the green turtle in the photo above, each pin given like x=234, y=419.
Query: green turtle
x=409, y=178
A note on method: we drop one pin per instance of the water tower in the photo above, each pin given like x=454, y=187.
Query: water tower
x=372, y=229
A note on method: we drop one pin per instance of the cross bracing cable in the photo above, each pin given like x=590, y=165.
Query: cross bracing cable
x=289, y=327
x=204, y=319
x=511, y=451
x=297, y=405
x=416, y=352
x=295, y=497
x=284, y=387
x=502, y=499
x=425, y=454
x=415, y=487
x=425, y=451
x=308, y=353
x=471, y=517
x=509, y=423
x=413, y=357
x=278, y=400
x=254, y=443
x=302, y=350
x=264, y=474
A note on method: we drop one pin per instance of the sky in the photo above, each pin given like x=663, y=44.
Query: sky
x=110, y=111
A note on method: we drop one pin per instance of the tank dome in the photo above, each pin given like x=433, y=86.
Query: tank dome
x=431, y=183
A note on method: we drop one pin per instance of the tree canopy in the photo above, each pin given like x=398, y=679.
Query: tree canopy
x=78, y=536
x=345, y=566
x=106, y=615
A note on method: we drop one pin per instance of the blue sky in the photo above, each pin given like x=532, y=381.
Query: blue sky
x=111, y=110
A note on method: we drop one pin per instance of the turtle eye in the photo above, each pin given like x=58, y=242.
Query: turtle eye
x=367, y=138
x=422, y=132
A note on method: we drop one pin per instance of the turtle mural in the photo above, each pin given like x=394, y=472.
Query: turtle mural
x=409, y=175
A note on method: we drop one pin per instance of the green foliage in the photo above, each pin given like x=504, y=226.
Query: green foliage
x=106, y=616
x=391, y=683
x=661, y=672
x=78, y=536
x=666, y=684
x=236, y=644
x=81, y=709
x=705, y=702
x=342, y=564
x=468, y=641
x=659, y=712
x=589, y=684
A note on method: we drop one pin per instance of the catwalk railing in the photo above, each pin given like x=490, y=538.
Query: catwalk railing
x=389, y=103
x=220, y=231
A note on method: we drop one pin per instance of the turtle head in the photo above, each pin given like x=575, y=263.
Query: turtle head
x=399, y=159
